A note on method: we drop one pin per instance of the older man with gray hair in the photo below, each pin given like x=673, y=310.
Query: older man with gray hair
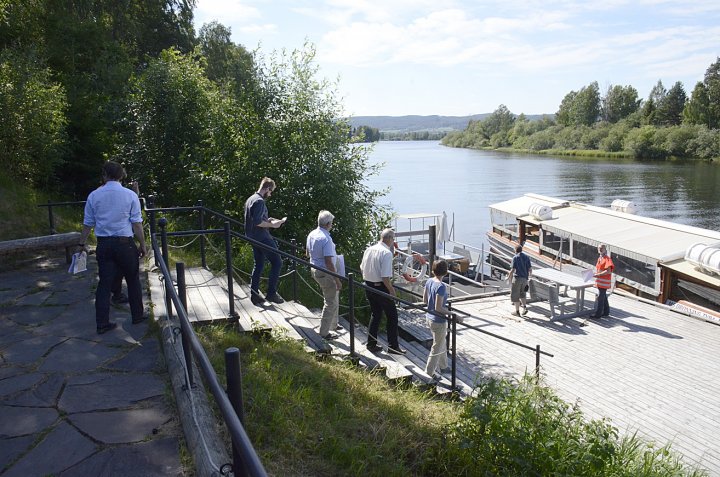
x=321, y=250
x=377, y=273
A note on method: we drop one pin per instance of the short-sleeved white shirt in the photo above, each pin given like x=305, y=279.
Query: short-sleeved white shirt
x=377, y=263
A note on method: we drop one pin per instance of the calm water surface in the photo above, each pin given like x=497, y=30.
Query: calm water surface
x=423, y=176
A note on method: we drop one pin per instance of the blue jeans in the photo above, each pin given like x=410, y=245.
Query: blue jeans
x=602, y=307
x=259, y=255
x=117, y=257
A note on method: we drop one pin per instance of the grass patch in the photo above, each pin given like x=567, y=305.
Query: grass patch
x=570, y=152
x=307, y=417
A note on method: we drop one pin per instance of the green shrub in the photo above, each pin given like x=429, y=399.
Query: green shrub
x=514, y=429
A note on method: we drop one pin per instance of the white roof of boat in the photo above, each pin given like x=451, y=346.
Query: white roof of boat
x=645, y=237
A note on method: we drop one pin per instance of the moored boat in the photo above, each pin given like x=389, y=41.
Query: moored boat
x=669, y=263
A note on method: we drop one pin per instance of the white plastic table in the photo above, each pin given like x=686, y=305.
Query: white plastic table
x=570, y=281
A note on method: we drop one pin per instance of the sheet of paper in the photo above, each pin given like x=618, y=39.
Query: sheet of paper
x=587, y=275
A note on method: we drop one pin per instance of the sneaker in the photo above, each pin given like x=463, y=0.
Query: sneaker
x=397, y=350
x=339, y=328
x=275, y=298
x=374, y=349
x=524, y=312
x=515, y=313
x=140, y=319
x=119, y=299
x=101, y=330
x=330, y=336
x=256, y=299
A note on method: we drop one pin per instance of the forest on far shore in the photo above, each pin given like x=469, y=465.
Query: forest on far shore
x=618, y=122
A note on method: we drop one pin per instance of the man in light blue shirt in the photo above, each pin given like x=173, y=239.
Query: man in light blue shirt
x=321, y=250
x=114, y=212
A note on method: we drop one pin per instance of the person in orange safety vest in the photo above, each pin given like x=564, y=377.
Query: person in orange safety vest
x=603, y=279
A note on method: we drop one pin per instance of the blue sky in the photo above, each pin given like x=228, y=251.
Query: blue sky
x=398, y=57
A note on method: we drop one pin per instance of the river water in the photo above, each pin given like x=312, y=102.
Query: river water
x=423, y=176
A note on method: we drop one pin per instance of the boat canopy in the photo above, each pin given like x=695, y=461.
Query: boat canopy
x=639, y=237
x=684, y=267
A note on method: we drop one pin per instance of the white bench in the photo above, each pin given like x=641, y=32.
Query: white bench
x=45, y=242
x=542, y=291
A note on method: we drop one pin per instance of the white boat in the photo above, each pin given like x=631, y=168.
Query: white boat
x=669, y=263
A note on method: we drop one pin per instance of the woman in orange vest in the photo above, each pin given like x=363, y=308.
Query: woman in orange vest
x=603, y=279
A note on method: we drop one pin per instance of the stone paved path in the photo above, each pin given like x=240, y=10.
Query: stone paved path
x=74, y=403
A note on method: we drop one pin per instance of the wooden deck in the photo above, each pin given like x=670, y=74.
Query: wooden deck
x=646, y=369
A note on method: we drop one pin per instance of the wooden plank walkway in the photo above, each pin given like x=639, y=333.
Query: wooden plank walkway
x=648, y=369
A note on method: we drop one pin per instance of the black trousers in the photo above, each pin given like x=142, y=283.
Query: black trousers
x=117, y=257
x=602, y=307
x=378, y=305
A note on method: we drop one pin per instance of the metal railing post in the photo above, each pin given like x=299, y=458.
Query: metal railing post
x=233, y=375
x=202, y=236
x=351, y=311
x=151, y=218
x=537, y=363
x=51, y=218
x=453, y=324
x=166, y=259
x=182, y=294
x=482, y=264
x=294, y=269
x=432, y=244
x=229, y=269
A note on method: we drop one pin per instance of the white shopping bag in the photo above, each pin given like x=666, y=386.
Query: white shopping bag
x=79, y=263
x=340, y=265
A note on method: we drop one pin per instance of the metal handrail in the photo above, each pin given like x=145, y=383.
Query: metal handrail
x=244, y=447
x=350, y=282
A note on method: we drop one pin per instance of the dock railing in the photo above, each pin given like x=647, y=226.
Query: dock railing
x=352, y=284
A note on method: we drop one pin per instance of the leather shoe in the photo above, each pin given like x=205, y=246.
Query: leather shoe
x=330, y=336
x=256, y=299
x=275, y=298
x=397, y=350
x=119, y=299
x=101, y=330
x=140, y=319
x=374, y=349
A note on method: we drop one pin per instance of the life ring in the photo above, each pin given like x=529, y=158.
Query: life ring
x=410, y=273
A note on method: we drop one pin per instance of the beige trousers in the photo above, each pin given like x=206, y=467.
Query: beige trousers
x=331, y=298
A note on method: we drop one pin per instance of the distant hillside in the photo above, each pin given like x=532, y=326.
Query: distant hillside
x=419, y=123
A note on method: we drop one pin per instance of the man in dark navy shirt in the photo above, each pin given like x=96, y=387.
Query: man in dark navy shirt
x=257, y=225
x=519, y=277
